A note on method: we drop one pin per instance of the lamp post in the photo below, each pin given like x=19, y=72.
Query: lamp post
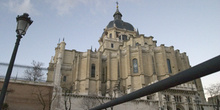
x=23, y=22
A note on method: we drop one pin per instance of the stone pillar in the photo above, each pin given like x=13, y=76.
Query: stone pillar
x=98, y=79
x=88, y=71
x=57, y=90
x=165, y=66
x=128, y=65
x=174, y=61
x=77, y=74
x=154, y=67
x=140, y=65
x=108, y=86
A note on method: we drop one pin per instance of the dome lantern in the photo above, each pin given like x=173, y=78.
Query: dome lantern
x=117, y=14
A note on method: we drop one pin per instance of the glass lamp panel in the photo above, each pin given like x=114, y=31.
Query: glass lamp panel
x=26, y=28
x=21, y=27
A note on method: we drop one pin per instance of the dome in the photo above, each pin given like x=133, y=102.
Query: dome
x=120, y=24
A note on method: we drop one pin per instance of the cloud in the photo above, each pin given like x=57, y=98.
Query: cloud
x=64, y=7
x=20, y=7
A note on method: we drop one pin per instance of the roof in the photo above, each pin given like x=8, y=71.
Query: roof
x=120, y=24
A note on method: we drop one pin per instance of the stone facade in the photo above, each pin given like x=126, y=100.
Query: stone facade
x=125, y=62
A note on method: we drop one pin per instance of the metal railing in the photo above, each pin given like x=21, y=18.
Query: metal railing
x=200, y=70
x=18, y=72
x=20, y=66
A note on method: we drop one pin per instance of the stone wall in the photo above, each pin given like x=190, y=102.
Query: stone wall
x=23, y=95
x=85, y=102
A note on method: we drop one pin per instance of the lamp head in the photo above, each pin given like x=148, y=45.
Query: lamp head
x=23, y=22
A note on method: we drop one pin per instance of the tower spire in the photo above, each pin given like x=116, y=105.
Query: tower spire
x=117, y=14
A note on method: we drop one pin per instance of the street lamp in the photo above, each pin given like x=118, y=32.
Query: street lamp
x=23, y=22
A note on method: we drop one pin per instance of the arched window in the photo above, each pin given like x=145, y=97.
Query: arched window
x=112, y=45
x=93, y=71
x=169, y=66
x=135, y=66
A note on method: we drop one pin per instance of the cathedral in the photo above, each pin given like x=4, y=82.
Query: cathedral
x=125, y=62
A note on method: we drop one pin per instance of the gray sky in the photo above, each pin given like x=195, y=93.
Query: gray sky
x=192, y=26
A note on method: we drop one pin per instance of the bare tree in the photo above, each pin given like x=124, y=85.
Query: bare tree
x=40, y=96
x=34, y=73
x=52, y=97
x=214, y=91
x=43, y=96
x=67, y=98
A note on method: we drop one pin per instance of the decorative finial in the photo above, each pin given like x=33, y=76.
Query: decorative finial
x=63, y=39
x=117, y=4
x=59, y=40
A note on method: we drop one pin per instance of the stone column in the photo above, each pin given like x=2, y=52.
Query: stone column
x=57, y=90
x=128, y=80
x=108, y=73
x=154, y=67
x=98, y=79
x=174, y=61
x=140, y=65
x=88, y=72
x=77, y=74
